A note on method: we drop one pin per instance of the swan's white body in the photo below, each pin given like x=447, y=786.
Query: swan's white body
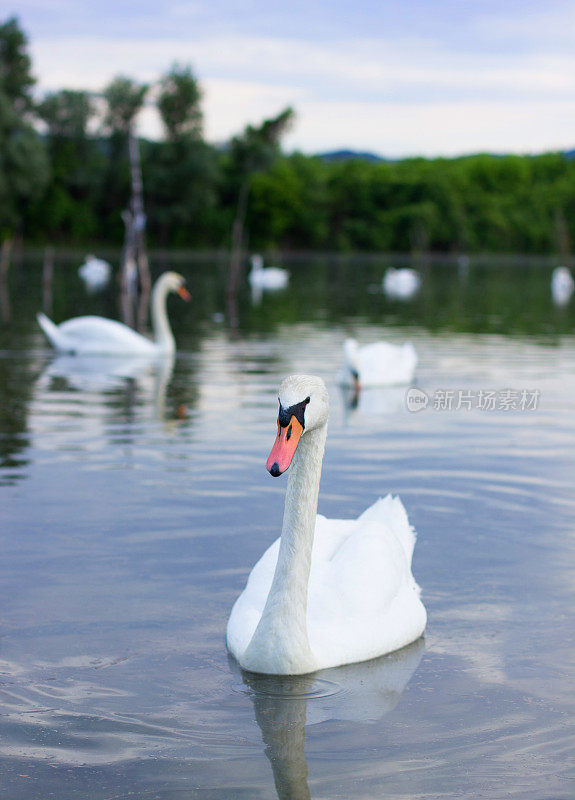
x=401, y=283
x=100, y=336
x=377, y=364
x=268, y=278
x=95, y=273
x=562, y=285
x=328, y=592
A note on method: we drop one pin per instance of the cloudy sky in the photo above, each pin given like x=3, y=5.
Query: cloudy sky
x=395, y=77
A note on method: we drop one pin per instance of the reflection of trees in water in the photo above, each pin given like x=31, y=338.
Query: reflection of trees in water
x=499, y=296
x=285, y=704
x=16, y=384
x=494, y=297
x=18, y=372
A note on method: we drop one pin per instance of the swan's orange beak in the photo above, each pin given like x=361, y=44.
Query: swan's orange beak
x=284, y=447
x=184, y=294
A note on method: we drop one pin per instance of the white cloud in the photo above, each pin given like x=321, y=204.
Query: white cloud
x=395, y=97
x=398, y=129
x=183, y=10
x=553, y=26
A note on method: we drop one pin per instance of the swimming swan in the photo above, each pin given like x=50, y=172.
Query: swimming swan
x=95, y=272
x=377, y=364
x=401, y=283
x=562, y=286
x=329, y=591
x=101, y=336
x=268, y=278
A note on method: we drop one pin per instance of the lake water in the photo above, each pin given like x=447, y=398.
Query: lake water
x=135, y=501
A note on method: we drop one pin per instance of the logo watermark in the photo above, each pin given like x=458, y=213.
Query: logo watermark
x=468, y=399
x=416, y=400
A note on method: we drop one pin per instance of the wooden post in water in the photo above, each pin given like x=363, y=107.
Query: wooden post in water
x=128, y=273
x=235, y=267
x=5, y=255
x=47, y=279
x=135, y=273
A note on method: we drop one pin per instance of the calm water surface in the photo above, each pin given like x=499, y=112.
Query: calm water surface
x=135, y=501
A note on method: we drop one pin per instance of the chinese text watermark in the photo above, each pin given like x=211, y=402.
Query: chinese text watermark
x=468, y=399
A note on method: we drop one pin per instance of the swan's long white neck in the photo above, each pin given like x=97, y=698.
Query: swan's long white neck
x=163, y=336
x=280, y=644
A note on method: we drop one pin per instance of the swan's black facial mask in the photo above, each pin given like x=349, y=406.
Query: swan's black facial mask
x=291, y=424
x=297, y=411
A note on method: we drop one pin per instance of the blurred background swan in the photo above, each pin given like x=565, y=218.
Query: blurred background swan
x=268, y=277
x=401, y=284
x=562, y=286
x=377, y=364
x=95, y=272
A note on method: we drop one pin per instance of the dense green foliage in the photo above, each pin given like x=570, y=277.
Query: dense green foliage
x=70, y=185
x=23, y=162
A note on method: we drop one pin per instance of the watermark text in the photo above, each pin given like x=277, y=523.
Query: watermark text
x=469, y=399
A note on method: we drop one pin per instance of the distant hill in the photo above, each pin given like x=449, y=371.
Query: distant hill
x=347, y=155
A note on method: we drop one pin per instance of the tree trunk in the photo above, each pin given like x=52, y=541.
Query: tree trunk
x=235, y=268
x=135, y=278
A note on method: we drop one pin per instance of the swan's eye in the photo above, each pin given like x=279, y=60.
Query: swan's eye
x=307, y=400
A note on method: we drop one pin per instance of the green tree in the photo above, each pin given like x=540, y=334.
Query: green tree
x=178, y=104
x=289, y=205
x=124, y=99
x=70, y=208
x=24, y=169
x=16, y=77
x=253, y=151
x=181, y=172
x=66, y=113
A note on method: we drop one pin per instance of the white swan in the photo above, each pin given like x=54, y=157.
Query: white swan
x=562, y=285
x=328, y=592
x=401, y=283
x=101, y=336
x=95, y=272
x=377, y=364
x=268, y=278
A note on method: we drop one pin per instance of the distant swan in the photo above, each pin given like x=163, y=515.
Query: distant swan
x=401, y=283
x=101, y=336
x=377, y=364
x=329, y=591
x=268, y=278
x=562, y=285
x=95, y=272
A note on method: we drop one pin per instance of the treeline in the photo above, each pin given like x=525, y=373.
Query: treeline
x=65, y=179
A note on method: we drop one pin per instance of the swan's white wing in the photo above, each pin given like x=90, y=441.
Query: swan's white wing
x=390, y=511
x=100, y=335
x=362, y=598
x=363, y=601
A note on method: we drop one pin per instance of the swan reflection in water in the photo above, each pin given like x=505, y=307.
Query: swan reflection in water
x=371, y=402
x=285, y=704
x=102, y=374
